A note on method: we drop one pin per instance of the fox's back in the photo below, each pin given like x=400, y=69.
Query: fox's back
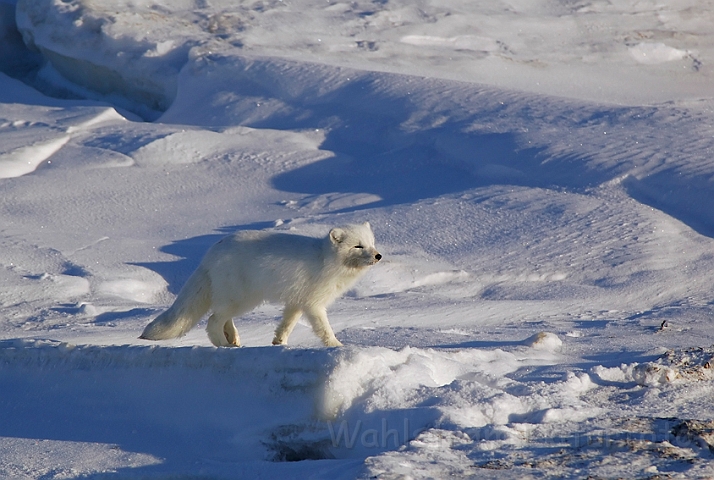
x=268, y=264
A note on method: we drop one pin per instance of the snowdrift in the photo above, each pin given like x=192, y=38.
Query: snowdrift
x=188, y=408
x=441, y=136
x=205, y=411
x=547, y=267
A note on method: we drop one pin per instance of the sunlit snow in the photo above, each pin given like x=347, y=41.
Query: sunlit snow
x=538, y=175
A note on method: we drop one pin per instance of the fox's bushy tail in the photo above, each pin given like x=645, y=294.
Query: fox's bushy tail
x=192, y=302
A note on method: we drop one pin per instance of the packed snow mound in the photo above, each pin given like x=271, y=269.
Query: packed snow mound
x=27, y=353
x=295, y=403
x=184, y=408
x=463, y=408
x=376, y=399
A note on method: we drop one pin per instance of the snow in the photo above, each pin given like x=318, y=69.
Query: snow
x=652, y=53
x=538, y=176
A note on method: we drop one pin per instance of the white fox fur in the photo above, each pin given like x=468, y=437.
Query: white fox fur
x=248, y=268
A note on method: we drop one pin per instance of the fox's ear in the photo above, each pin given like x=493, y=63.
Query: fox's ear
x=337, y=235
x=366, y=224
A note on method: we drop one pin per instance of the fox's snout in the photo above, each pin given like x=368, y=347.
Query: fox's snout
x=370, y=257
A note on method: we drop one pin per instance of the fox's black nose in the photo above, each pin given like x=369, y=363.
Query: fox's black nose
x=378, y=256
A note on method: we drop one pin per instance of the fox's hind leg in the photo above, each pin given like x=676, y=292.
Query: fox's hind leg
x=231, y=333
x=290, y=317
x=222, y=331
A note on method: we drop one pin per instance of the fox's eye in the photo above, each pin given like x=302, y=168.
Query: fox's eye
x=359, y=246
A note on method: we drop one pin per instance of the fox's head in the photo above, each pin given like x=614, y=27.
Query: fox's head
x=354, y=244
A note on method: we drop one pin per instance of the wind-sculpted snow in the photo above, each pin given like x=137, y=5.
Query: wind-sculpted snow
x=538, y=178
x=457, y=135
x=182, y=409
x=201, y=409
x=237, y=398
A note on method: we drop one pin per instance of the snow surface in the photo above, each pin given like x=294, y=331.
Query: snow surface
x=538, y=175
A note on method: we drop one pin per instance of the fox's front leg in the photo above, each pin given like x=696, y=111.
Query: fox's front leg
x=291, y=315
x=321, y=326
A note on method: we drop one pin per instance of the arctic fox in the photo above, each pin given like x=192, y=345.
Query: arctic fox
x=248, y=268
